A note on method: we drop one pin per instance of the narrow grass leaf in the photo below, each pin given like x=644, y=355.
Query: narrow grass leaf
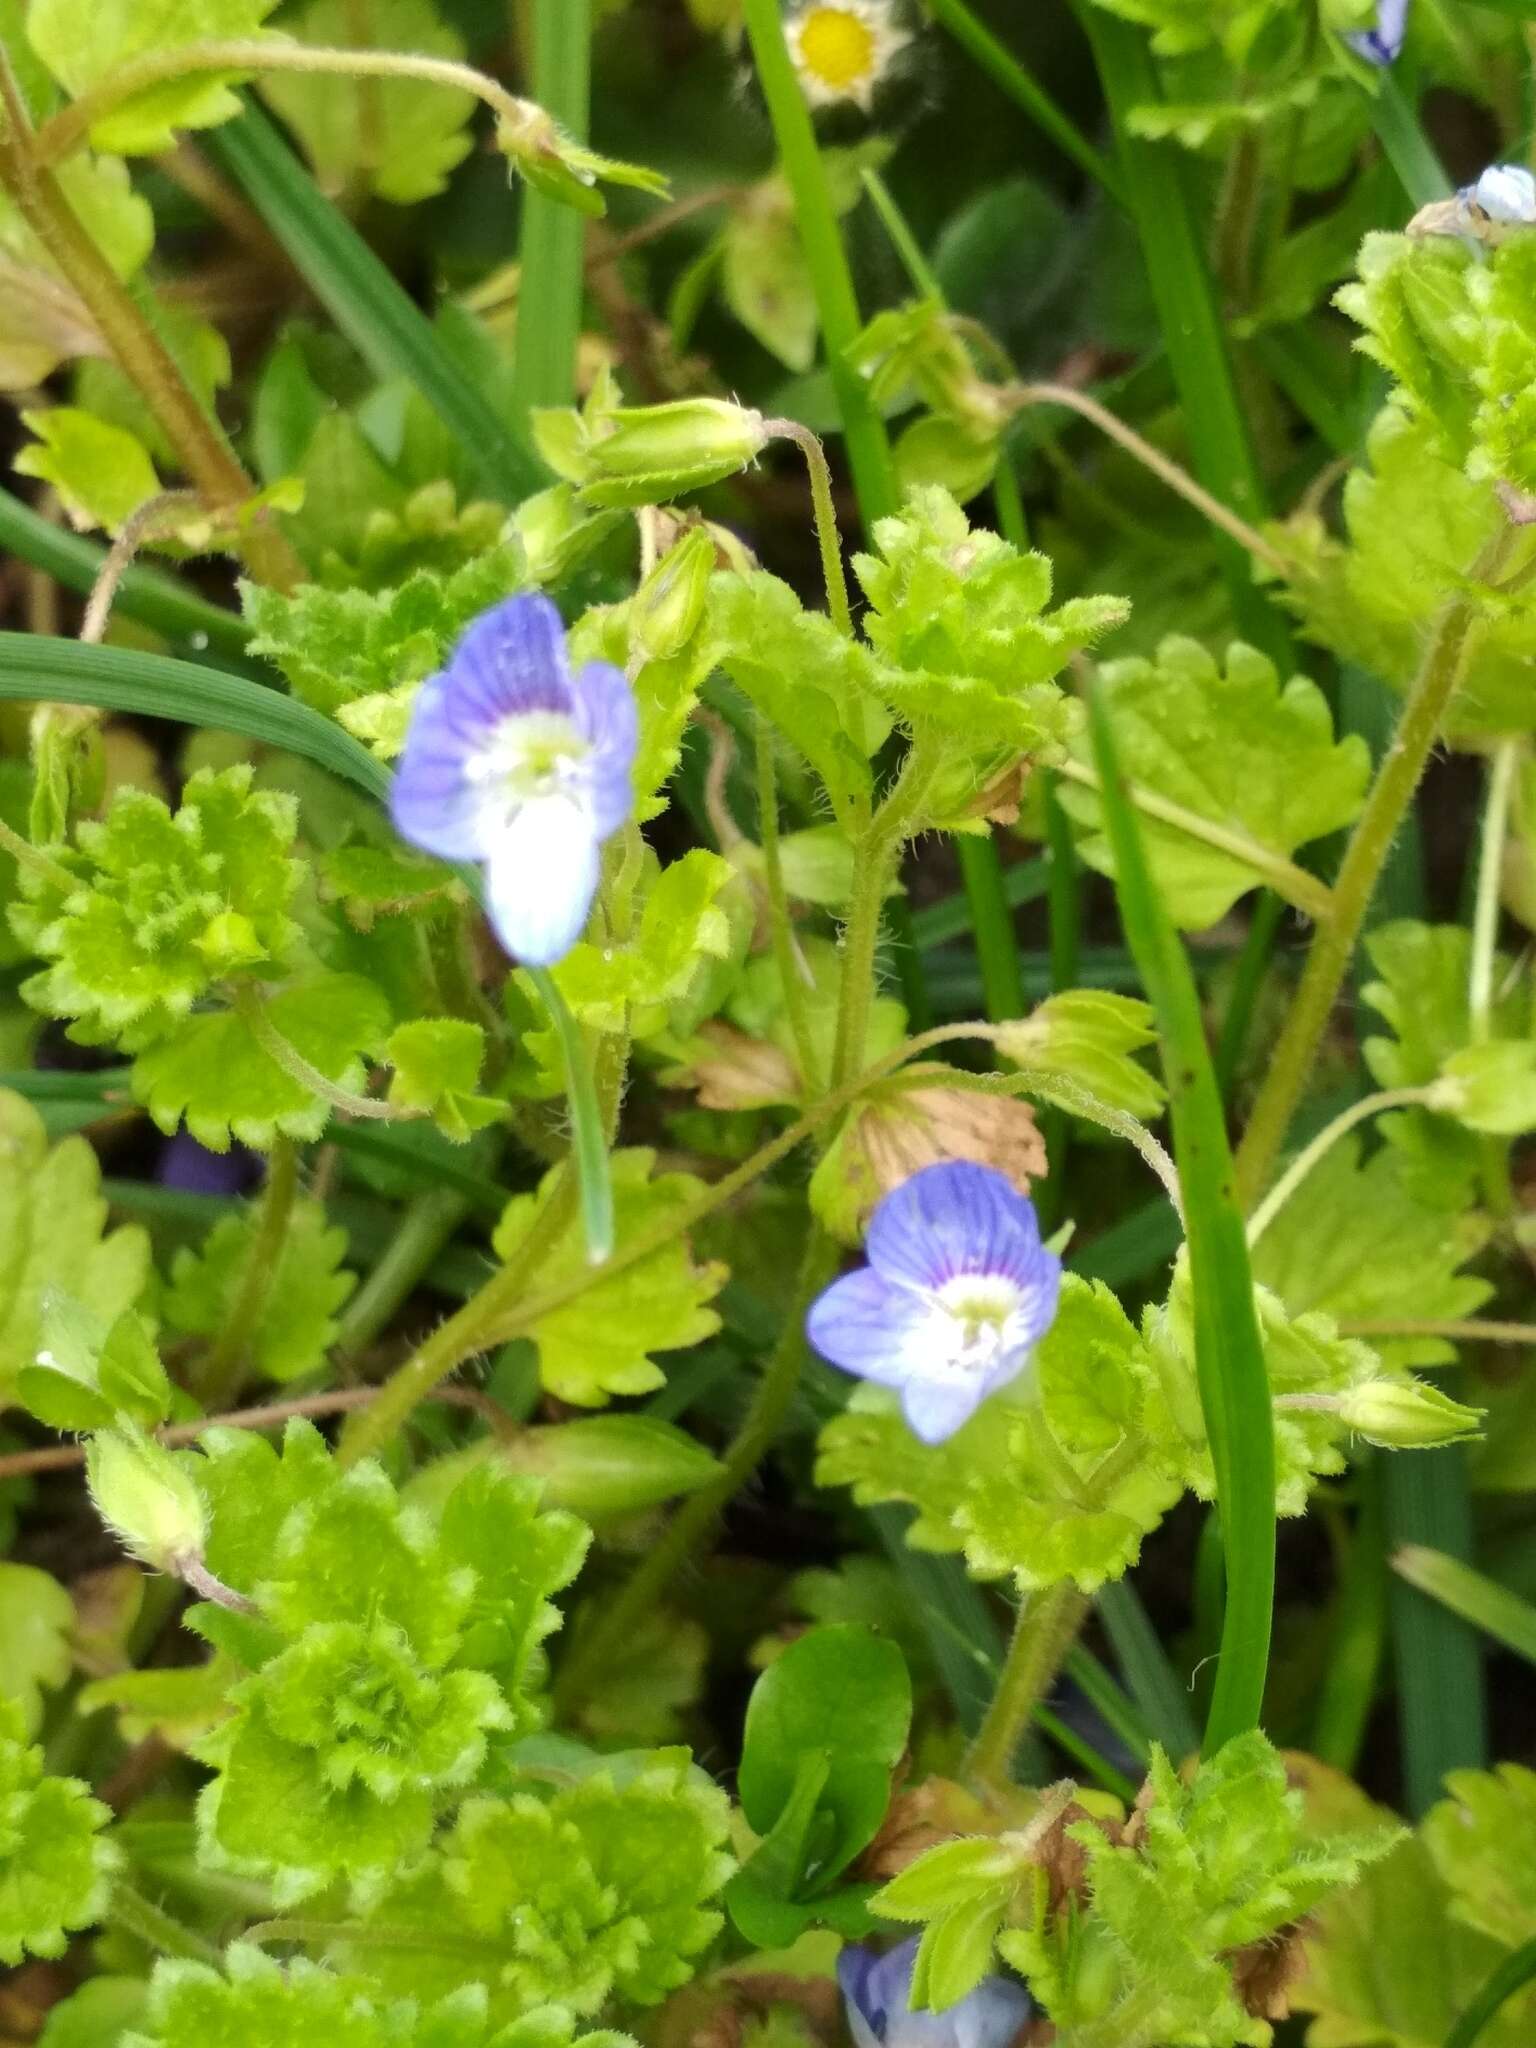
x=1471, y=1594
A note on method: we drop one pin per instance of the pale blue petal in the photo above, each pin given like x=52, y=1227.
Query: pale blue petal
x=606, y=716
x=432, y=801
x=864, y=1325
x=541, y=877
x=876, y=1990
x=1382, y=44
x=511, y=659
x=950, y=1219
x=935, y=1409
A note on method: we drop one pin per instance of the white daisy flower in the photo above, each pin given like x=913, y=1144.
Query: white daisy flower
x=843, y=48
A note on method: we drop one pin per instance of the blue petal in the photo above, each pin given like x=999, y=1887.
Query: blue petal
x=511, y=659
x=1383, y=43
x=432, y=801
x=858, y=1972
x=876, y=1991
x=606, y=716
x=953, y=1218
x=935, y=1409
x=541, y=877
x=864, y=1325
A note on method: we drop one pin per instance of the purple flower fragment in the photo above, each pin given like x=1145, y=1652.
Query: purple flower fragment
x=957, y=1293
x=514, y=762
x=876, y=1989
x=1382, y=44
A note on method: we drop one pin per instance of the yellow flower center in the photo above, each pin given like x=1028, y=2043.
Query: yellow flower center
x=836, y=47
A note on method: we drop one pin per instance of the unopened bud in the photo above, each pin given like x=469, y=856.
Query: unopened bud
x=645, y=454
x=1406, y=1414
x=147, y=1497
x=669, y=605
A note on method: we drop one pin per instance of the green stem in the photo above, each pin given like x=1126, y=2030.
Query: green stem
x=1490, y=874
x=873, y=859
x=293, y=1063
x=589, y=1134
x=219, y=1373
x=1333, y=947
x=1456, y=1330
x=553, y=236
x=136, y=1915
x=1305, y=891
x=690, y=1526
x=1045, y=1629
x=1002, y=980
x=1252, y=965
x=25, y=854
x=1510, y=1976
x=791, y=978
x=869, y=451
x=828, y=540
x=1010, y=76
x=1313, y=1154
x=903, y=241
x=198, y=441
x=1358, y=1637
x=426, y=1224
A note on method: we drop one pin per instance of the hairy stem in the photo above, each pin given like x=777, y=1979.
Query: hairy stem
x=149, y=1923
x=1312, y=1155
x=694, y=1520
x=1045, y=1629
x=1490, y=870
x=138, y=527
x=828, y=539
x=308, y=1075
x=219, y=1371
x=792, y=976
x=1333, y=946
x=1305, y=891
x=199, y=442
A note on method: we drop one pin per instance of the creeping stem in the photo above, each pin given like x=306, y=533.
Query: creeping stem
x=1333, y=945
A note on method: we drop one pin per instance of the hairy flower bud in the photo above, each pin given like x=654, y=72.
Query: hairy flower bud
x=668, y=608
x=1406, y=1414
x=645, y=454
x=147, y=1497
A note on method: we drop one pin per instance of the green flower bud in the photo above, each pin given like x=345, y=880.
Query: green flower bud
x=644, y=454
x=147, y=1498
x=601, y=1465
x=668, y=607
x=1406, y=1414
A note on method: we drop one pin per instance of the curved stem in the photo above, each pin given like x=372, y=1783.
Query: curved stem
x=589, y=1135
x=824, y=512
x=67, y=130
x=27, y=855
x=693, y=1521
x=308, y=1075
x=1045, y=1629
x=198, y=441
x=1084, y=1103
x=137, y=528
x=150, y=1924
x=1312, y=1155
x=1153, y=459
x=1512, y=1975
x=1490, y=873
x=1456, y=1330
x=1375, y=829
x=1305, y=891
x=861, y=937
x=426, y=1224
x=218, y=1373
x=792, y=977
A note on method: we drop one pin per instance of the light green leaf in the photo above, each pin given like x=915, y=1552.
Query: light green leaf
x=396, y=137
x=212, y=1073
x=1483, y=1841
x=681, y=929
x=1233, y=748
x=36, y=1619
x=437, y=1063
x=601, y=1343
x=763, y=277
x=52, y=1222
x=42, y=322
x=55, y=1865
x=84, y=42
x=103, y=473
x=308, y=1285
x=1358, y=1243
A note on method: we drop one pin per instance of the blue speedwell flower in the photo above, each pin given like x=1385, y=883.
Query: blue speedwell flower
x=875, y=1993
x=1383, y=43
x=957, y=1292
x=514, y=762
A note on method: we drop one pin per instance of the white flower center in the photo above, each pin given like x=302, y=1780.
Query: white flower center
x=977, y=1320
x=532, y=754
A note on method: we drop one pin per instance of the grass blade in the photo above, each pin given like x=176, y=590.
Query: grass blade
x=1472, y=1595
x=364, y=300
x=1153, y=1682
x=158, y=686
x=1405, y=145
x=148, y=595
x=1229, y=1356
x=553, y=236
x=1512, y=1975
